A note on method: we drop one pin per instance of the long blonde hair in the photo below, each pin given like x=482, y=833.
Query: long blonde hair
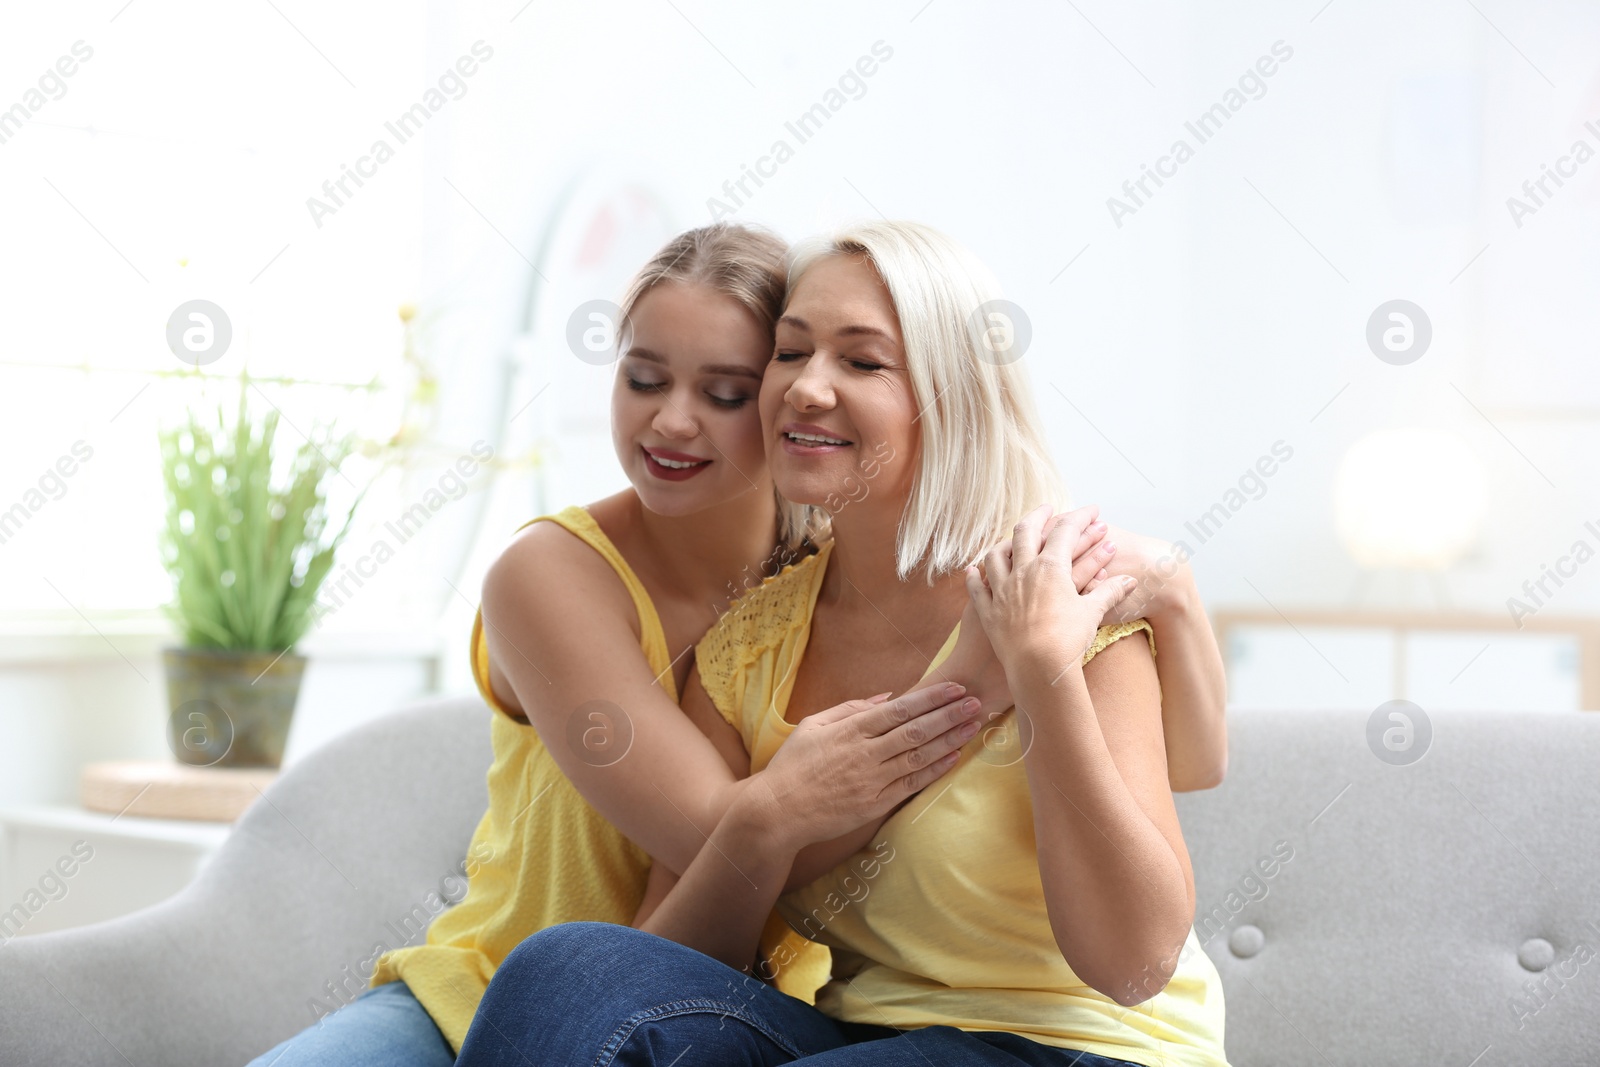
x=984, y=459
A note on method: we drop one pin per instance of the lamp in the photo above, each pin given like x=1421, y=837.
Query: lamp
x=1410, y=497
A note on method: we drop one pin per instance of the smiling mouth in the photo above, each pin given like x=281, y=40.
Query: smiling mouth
x=673, y=468
x=815, y=439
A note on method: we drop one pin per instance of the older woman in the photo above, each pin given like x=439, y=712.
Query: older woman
x=600, y=782
x=1035, y=905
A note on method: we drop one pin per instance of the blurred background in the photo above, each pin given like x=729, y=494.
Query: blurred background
x=1309, y=289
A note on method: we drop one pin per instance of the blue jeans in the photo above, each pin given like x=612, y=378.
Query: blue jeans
x=598, y=995
x=384, y=1027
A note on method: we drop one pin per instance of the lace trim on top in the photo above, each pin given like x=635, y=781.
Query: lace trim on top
x=753, y=625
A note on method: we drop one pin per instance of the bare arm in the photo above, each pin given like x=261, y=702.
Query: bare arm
x=816, y=858
x=563, y=631
x=1118, y=884
x=1194, y=689
x=1117, y=880
x=721, y=904
x=656, y=889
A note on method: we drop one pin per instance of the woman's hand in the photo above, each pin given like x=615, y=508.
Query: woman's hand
x=973, y=663
x=1027, y=598
x=1161, y=569
x=851, y=765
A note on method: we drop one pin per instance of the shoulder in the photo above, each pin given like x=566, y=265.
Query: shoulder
x=550, y=575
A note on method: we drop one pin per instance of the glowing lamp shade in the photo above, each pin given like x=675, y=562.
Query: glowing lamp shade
x=1410, y=498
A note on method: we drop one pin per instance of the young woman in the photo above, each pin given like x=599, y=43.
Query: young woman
x=1035, y=905
x=583, y=644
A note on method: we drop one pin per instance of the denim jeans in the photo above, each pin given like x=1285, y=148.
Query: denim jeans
x=384, y=1027
x=598, y=995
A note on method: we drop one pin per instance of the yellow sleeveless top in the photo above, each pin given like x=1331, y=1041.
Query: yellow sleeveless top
x=941, y=919
x=541, y=855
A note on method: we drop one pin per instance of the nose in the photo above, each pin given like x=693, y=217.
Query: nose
x=812, y=389
x=672, y=421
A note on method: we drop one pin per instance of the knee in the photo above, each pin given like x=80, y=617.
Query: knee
x=566, y=942
x=558, y=957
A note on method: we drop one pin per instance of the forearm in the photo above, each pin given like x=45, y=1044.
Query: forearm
x=1116, y=893
x=721, y=903
x=816, y=860
x=1194, y=687
x=810, y=863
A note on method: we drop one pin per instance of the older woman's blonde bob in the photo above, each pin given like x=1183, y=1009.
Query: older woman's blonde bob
x=984, y=462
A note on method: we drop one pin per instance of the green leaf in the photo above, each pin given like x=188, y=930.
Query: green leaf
x=244, y=526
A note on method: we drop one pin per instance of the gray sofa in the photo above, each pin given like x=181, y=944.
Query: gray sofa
x=1445, y=912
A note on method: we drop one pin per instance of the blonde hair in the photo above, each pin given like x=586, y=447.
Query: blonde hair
x=984, y=461
x=749, y=264
x=745, y=262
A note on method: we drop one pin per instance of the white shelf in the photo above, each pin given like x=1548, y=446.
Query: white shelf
x=62, y=866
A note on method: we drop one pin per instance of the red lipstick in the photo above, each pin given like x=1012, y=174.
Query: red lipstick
x=654, y=456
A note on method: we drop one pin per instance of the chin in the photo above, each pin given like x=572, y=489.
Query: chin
x=807, y=489
x=679, y=499
x=670, y=502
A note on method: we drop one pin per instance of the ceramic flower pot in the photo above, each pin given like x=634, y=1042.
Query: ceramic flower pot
x=228, y=708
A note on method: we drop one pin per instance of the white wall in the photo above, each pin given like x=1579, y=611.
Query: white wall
x=1204, y=328
x=1222, y=316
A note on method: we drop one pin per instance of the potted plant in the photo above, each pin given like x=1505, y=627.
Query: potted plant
x=247, y=553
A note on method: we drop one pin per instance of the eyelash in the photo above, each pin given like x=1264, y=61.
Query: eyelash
x=862, y=365
x=730, y=403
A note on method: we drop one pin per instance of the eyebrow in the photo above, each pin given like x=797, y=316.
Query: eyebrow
x=848, y=331
x=734, y=369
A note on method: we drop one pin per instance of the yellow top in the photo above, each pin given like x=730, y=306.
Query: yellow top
x=942, y=919
x=541, y=855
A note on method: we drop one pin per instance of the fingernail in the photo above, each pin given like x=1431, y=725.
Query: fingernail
x=970, y=706
x=1127, y=581
x=1109, y=547
x=969, y=729
x=953, y=690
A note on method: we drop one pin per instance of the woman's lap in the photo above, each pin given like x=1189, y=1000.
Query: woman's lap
x=584, y=992
x=613, y=996
x=385, y=1026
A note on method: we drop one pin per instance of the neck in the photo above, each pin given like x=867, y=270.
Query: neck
x=862, y=569
x=711, y=550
